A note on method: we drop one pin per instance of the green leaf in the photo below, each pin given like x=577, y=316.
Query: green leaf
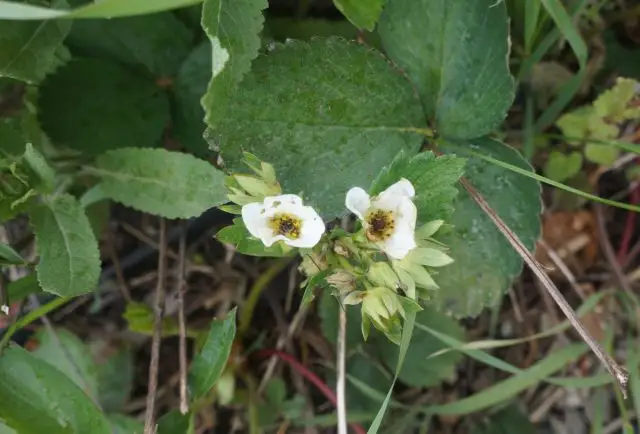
x=529, y=173
x=115, y=380
x=620, y=58
x=22, y=177
x=485, y=263
x=29, y=48
x=208, y=365
x=6, y=430
x=238, y=235
x=103, y=9
x=283, y=28
x=121, y=424
x=561, y=167
x=362, y=13
x=174, y=422
x=328, y=310
x=407, y=333
x=169, y=184
x=511, y=387
x=604, y=155
x=417, y=371
x=233, y=27
x=189, y=87
x=98, y=214
x=318, y=121
x=361, y=367
x=434, y=180
x=37, y=398
x=11, y=137
x=69, y=259
x=507, y=421
x=158, y=42
x=43, y=175
x=68, y=353
x=20, y=289
x=9, y=256
x=124, y=109
x=456, y=53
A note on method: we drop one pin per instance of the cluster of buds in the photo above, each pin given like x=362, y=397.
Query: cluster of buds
x=386, y=266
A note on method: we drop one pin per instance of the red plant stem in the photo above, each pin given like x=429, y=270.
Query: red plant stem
x=629, y=228
x=313, y=378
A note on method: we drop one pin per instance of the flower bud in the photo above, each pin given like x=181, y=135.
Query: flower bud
x=381, y=274
x=342, y=280
x=312, y=264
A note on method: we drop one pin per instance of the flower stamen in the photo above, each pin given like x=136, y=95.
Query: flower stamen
x=380, y=224
x=287, y=225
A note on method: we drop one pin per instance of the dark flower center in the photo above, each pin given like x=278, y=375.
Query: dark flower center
x=287, y=225
x=380, y=224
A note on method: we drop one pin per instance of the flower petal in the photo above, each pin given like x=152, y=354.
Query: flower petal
x=254, y=218
x=283, y=199
x=406, y=214
x=358, y=202
x=398, y=193
x=402, y=241
x=404, y=187
x=312, y=228
x=399, y=244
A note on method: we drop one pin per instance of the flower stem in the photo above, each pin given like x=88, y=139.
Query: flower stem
x=256, y=291
x=31, y=317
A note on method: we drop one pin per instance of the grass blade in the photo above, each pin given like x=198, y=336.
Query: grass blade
x=513, y=386
x=562, y=19
x=407, y=332
x=541, y=178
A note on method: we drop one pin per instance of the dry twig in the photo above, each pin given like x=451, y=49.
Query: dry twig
x=149, y=417
x=182, y=350
x=340, y=367
x=619, y=373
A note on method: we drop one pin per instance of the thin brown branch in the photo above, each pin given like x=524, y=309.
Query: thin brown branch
x=137, y=233
x=122, y=283
x=298, y=319
x=608, y=250
x=564, y=269
x=619, y=373
x=341, y=404
x=182, y=329
x=149, y=417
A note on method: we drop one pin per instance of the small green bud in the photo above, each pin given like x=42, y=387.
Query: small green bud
x=383, y=308
x=417, y=272
x=381, y=274
x=226, y=387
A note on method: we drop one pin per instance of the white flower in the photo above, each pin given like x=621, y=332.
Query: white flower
x=389, y=219
x=283, y=218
